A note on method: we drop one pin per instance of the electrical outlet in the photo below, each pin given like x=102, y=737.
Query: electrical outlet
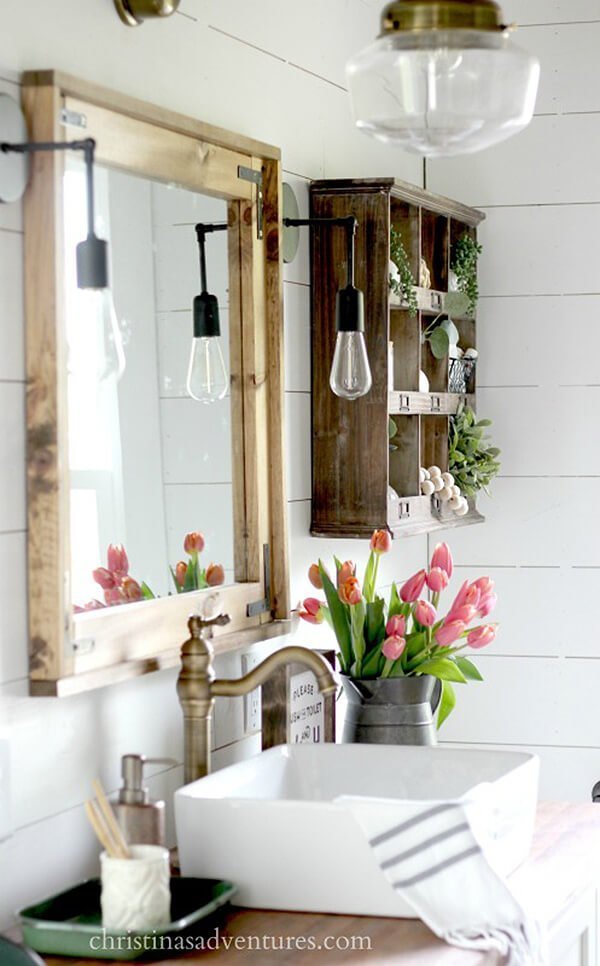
x=252, y=701
x=5, y=810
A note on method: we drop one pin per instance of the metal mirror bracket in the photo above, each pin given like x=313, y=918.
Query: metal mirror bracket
x=134, y=12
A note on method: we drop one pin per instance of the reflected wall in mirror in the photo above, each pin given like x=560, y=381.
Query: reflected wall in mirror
x=148, y=463
x=119, y=453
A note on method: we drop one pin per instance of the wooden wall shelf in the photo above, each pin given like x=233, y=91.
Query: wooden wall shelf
x=356, y=475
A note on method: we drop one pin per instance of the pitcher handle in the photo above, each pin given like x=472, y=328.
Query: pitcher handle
x=436, y=696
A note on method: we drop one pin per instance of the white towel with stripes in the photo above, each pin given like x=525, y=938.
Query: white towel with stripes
x=431, y=857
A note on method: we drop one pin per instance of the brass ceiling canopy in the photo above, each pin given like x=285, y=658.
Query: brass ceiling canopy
x=134, y=12
x=419, y=15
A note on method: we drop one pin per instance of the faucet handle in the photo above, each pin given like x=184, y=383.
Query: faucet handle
x=197, y=623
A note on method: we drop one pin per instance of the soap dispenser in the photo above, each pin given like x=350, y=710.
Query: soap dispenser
x=141, y=821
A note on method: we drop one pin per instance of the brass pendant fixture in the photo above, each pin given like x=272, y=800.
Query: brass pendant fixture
x=134, y=12
x=444, y=77
x=416, y=15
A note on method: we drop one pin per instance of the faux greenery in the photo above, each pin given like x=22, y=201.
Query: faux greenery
x=465, y=253
x=441, y=335
x=472, y=461
x=405, y=288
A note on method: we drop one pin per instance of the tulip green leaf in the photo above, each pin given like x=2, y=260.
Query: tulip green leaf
x=147, y=594
x=396, y=606
x=375, y=623
x=447, y=702
x=339, y=617
x=443, y=668
x=369, y=581
x=357, y=624
x=468, y=669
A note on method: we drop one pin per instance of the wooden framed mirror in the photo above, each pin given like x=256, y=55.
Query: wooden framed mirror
x=140, y=463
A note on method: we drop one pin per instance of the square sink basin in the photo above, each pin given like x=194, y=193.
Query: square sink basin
x=281, y=825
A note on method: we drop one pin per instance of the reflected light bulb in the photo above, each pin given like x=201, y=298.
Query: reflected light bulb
x=108, y=355
x=207, y=377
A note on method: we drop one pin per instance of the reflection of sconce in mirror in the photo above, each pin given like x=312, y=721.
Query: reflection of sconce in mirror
x=134, y=12
x=207, y=379
x=92, y=253
x=350, y=371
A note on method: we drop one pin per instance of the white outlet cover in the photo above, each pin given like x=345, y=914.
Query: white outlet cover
x=252, y=701
x=5, y=809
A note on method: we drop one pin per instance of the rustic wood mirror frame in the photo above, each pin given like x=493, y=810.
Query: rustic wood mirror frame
x=70, y=653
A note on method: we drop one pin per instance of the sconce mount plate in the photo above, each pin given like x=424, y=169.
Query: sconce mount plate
x=134, y=12
x=291, y=235
x=14, y=168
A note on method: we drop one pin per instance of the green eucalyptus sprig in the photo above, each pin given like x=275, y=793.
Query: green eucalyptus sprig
x=405, y=288
x=471, y=460
x=465, y=253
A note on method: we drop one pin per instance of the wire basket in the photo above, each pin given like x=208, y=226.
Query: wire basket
x=461, y=375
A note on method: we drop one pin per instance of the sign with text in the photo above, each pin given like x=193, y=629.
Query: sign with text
x=306, y=709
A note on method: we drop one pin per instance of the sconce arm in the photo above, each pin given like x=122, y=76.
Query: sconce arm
x=203, y=229
x=349, y=222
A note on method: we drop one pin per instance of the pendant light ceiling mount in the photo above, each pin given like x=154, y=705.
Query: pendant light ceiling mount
x=418, y=15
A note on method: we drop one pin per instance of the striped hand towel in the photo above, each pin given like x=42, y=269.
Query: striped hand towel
x=431, y=857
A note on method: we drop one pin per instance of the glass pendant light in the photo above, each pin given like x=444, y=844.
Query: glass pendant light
x=207, y=379
x=350, y=376
x=443, y=78
x=104, y=334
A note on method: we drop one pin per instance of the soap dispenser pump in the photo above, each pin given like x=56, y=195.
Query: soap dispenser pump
x=141, y=820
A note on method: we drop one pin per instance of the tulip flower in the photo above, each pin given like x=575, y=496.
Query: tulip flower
x=193, y=543
x=381, y=542
x=468, y=594
x=348, y=569
x=396, y=626
x=442, y=559
x=104, y=577
x=485, y=585
x=118, y=564
x=465, y=614
x=215, y=575
x=411, y=590
x=449, y=632
x=130, y=589
x=481, y=636
x=425, y=613
x=314, y=575
x=437, y=579
x=350, y=592
x=113, y=596
x=312, y=612
x=181, y=572
x=393, y=647
x=486, y=605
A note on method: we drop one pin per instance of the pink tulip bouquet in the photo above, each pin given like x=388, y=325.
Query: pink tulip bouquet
x=410, y=636
x=120, y=587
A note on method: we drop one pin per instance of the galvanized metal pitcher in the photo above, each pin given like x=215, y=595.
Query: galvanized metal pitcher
x=391, y=711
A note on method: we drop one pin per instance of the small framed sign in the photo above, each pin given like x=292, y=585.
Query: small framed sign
x=293, y=709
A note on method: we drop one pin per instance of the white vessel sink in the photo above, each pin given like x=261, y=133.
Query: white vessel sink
x=278, y=825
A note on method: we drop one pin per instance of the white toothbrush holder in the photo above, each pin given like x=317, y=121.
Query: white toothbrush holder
x=136, y=892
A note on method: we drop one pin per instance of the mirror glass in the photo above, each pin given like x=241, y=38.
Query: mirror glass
x=148, y=463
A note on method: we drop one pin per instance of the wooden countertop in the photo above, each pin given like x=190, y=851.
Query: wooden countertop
x=564, y=863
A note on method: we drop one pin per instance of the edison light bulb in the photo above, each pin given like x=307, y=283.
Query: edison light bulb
x=207, y=377
x=106, y=355
x=350, y=371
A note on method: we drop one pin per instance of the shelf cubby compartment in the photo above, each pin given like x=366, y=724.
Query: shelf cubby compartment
x=435, y=230
x=405, y=335
x=436, y=370
x=405, y=218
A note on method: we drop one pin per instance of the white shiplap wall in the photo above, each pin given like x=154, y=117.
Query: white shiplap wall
x=539, y=382
x=274, y=70
x=276, y=74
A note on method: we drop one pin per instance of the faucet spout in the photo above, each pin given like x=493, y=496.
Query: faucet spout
x=236, y=687
x=197, y=688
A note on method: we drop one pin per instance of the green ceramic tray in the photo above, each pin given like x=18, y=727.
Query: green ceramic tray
x=70, y=924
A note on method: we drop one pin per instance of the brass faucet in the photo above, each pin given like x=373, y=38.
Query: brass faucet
x=197, y=688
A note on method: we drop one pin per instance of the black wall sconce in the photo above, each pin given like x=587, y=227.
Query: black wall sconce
x=134, y=12
x=350, y=376
x=207, y=379
x=92, y=253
